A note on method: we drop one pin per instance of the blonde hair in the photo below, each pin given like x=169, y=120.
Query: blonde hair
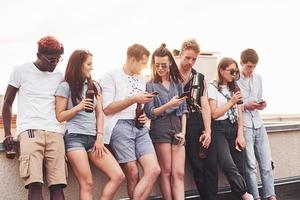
x=190, y=44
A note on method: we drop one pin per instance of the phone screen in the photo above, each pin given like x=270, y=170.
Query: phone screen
x=155, y=93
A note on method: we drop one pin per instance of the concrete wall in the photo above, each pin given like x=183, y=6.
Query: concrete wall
x=285, y=151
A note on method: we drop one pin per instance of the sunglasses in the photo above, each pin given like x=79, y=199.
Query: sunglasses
x=232, y=71
x=53, y=60
x=162, y=65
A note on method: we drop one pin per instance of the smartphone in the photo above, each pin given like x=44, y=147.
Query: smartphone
x=155, y=93
x=260, y=101
x=184, y=94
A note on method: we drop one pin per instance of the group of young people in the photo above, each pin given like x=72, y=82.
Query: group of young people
x=188, y=117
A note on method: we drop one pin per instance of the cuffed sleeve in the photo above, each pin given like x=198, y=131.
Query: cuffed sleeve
x=150, y=106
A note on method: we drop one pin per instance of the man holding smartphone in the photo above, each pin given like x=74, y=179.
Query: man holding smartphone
x=257, y=142
x=198, y=131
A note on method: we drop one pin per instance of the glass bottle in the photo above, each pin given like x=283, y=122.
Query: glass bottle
x=138, y=112
x=237, y=89
x=90, y=93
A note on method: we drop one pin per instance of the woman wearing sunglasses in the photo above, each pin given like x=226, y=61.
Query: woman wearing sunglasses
x=84, y=127
x=167, y=112
x=227, y=125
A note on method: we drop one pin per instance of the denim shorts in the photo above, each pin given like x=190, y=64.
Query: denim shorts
x=163, y=129
x=75, y=141
x=129, y=143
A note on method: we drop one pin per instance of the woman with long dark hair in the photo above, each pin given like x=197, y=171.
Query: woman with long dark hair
x=167, y=112
x=79, y=103
x=225, y=101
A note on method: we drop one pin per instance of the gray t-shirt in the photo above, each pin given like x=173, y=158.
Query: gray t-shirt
x=83, y=122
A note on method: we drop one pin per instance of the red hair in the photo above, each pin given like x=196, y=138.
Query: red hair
x=50, y=45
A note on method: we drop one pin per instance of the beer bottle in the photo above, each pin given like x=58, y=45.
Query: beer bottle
x=11, y=153
x=237, y=89
x=90, y=93
x=138, y=112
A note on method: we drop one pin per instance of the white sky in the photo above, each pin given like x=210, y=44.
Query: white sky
x=107, y=28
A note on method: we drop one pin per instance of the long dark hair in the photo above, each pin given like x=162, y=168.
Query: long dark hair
x=175, y=75
x=74, y=76
x=223, y=64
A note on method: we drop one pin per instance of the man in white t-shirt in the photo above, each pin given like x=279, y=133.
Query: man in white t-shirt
x=123, y=89
x=39, y=133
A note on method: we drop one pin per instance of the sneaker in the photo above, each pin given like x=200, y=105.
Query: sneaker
x=272, y=198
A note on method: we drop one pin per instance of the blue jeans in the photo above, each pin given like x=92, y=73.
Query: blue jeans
x=258, y=149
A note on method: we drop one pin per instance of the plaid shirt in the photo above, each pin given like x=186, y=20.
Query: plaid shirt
x=196, y=86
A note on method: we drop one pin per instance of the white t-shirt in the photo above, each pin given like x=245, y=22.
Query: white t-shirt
x=36, y=100
x=213, y=93
x=118, y=86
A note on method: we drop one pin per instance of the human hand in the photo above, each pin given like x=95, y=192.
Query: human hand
x=86, y=103
x=99, y=148
x=251, y=105
x=143, y=119
x=175, y=101
x=180, y=137
x=261, y=105
x=240, y=143
x=236, y=97
x=143, y=97
x=8, y=142
x=205, y=139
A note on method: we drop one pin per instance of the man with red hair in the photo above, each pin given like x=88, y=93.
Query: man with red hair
x=39, y=133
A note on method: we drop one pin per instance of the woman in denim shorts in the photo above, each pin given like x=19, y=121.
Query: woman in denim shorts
x=225, y=101
x=168, y=121
x=79, y=103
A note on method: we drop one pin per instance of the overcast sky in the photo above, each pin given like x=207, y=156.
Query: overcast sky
x=107, y=28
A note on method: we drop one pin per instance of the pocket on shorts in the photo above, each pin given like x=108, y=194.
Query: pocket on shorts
x=24, y=166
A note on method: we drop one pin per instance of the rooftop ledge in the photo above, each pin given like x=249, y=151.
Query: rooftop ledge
x=284, y=136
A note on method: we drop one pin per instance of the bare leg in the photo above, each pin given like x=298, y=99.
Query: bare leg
x=132, y=176
x=35, y=191
x=112, y=169
x=164, y=156
x=56, y=192
x=81, y=168
x=178, y=160
x=151, y=171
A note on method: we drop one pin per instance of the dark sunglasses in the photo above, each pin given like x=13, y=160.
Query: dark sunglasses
x=162, y=65
x=232, y=71
x=53, y=60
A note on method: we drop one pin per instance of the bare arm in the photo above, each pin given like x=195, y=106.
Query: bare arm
x=175, y=101
x=217, y=112
x=206, y=113
x=118, y=106
x=240, y=140
x=183, y=123
x=9, y=98
x=62, y=114
x=99, y=115
x=205, y=138
x=240, y=121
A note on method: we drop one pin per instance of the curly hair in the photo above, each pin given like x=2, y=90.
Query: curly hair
x=50, y=45
x=190, y=44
